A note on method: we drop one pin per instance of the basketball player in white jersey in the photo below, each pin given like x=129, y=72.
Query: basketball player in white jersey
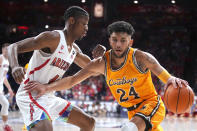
x=54, y=52
x=4, y=66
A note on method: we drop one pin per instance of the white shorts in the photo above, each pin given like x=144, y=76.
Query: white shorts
x=46, y=107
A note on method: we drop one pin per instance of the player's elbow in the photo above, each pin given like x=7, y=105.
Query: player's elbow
x=11, y=48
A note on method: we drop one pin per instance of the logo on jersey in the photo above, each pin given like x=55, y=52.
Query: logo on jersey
x=60, y=63
x=62, y=47
x=122, y=81
x=73, y=53
x=60, y=52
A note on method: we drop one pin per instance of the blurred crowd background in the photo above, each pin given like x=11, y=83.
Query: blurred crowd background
x=165, y=28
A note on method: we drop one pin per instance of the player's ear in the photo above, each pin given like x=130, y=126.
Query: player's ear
x=131, y=43
x=109, y=39
x=71, y=20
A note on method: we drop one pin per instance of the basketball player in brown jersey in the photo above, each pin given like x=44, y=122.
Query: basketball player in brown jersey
x=76, y=27
x=128, y=75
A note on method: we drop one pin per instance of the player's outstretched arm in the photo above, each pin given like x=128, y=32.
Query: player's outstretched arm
x=147, y=61
x=94, y=67
x=43, y=40
x=82, y=60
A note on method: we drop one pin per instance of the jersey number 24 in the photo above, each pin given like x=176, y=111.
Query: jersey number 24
x=122, y=93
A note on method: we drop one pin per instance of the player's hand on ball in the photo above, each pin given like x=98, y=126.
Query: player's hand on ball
x=98, y=51
x=176, y=81
x=18, y=74
x=36, y=86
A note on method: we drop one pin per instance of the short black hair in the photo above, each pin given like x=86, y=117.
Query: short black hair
x=5, y=45
x=120, y=26
x=74, y=11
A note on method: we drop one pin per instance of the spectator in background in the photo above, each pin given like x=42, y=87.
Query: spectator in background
x=4, y=66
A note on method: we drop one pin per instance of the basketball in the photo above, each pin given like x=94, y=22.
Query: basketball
x=178, y=100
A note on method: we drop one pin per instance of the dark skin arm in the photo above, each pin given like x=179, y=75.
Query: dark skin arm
x=49, y=39
x=82, y=59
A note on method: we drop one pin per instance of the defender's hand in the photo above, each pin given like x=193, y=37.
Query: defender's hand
x=98, y=51
x=176, y=81
x=36, y=86
x=18, y=74
x=11, y=93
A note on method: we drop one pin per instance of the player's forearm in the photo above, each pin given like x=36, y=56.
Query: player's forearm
x=82, y=60
x=70, y=81
x=86, y=60
x=63, y=84
x=164, y=76
x=19, y=47
x=160, y=72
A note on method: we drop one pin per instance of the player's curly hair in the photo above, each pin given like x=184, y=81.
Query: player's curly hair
x=120, y=26
x=74, y=11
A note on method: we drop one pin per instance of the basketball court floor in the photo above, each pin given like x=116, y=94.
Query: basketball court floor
x=171, y=123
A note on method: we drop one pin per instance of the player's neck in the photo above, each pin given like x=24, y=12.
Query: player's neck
x=117, y=62
x=69, y=38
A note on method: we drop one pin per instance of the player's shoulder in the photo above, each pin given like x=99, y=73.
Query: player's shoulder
x=50, y=34
x=141, y=55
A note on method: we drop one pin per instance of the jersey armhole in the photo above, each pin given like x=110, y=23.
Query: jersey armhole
x=136, y=65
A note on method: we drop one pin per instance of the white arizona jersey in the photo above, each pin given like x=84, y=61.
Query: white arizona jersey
x=4, y=66
x=46, y=68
